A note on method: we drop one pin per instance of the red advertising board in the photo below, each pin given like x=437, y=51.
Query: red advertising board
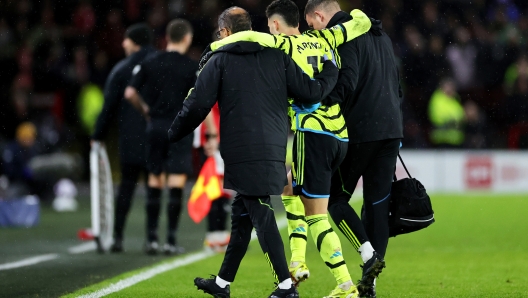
x=478, y=172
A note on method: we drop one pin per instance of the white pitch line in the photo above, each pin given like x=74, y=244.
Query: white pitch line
x=28, y=261
x=128, y=282
x=189, y=259
x=82, y=248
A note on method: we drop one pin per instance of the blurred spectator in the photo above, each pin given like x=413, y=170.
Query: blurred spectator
x=110, y=35
x=438, y=64
x=16, y=158
x=6, y=39
x=101, y=68
x=461, y=56
x=414, y=61
x=447, y=116
x=517, y=102
x=475, y=126
x=50, y=52
x=90, y=104
x=79, y=70
x=520, y=67
x=432, y=24
x=84, y=17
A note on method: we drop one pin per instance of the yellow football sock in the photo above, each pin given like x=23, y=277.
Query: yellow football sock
x=297, y=228
x=329, y=246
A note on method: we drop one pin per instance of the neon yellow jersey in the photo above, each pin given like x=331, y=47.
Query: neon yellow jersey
x=308, y=51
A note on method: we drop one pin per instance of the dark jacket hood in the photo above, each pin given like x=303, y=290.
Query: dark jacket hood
x=339, y=18
x=241, y=48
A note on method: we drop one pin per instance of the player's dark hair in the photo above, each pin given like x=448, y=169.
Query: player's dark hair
x=177, y=29
x=312, y=5
x=287, y=9
x=140, y=34
x=235, y=22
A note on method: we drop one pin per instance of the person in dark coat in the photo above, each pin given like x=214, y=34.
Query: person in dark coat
x=370, y=96
x=132, y=126
x=166, y=78
x=251, y=85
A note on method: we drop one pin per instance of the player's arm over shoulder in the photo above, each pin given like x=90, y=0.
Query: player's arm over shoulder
x=264, y=39
x=347, y=31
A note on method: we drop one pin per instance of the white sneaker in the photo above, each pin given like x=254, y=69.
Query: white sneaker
x=170, y=249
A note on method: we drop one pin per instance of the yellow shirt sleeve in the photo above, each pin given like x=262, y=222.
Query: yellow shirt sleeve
x=339, y=34
x=264, y=39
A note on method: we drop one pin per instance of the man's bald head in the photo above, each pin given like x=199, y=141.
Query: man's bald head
x=235, y=19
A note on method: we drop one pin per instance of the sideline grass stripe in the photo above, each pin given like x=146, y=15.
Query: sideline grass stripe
x=127, y=282
x=122, y=282
x=28, y=261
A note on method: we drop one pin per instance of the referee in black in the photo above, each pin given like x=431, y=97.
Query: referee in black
x=165, y=79
x=251, y=85
x=137, y=46
x=370, y=96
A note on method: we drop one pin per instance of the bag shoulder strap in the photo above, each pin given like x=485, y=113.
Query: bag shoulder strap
x=403, y=164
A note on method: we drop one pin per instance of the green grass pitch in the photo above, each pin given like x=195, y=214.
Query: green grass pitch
x=477, y=248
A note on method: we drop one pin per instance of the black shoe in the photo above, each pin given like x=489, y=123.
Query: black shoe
x=210, y=287
x=117, y=247
x=370, y=293
x=371, y=269
x=151, y=248
x=289, y=293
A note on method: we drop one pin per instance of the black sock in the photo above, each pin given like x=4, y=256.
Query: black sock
x=216, y=219
x=122, y=206
x=153, y=211
x=173, y=213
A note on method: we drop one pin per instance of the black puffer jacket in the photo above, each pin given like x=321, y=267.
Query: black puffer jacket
x=251, y=85
x=368, y=88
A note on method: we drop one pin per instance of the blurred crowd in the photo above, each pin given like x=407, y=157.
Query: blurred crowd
x=464, y=70
x=464, y=64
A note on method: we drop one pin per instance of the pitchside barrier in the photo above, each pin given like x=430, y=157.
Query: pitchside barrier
x=462, y=171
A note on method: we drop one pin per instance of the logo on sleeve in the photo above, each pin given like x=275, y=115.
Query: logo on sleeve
x=136, y=69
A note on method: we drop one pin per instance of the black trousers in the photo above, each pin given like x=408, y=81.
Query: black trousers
x=376, y=162
x=248, y=213
x=129, y=177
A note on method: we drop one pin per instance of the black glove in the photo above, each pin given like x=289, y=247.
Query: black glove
x=376, y=27
x=206, y=55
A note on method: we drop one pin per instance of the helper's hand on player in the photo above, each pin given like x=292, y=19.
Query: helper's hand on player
x=206, y=55
x=211, y=146
x=328, y=58
x=376, y=27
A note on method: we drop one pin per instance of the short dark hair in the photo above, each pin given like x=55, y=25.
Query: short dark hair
x=312, y=5
x=287, y=9
x=235, y=22
x=177, y=29
x=140, y=34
